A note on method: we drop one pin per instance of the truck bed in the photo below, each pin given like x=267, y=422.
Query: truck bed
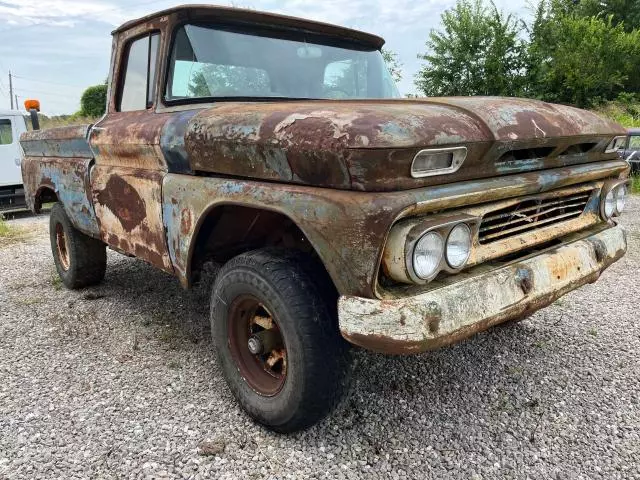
x=59, y=142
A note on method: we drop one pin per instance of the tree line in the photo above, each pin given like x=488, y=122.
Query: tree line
x=579, y=52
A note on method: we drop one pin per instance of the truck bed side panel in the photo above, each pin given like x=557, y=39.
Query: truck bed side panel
x=59, y=159
x=60, y=142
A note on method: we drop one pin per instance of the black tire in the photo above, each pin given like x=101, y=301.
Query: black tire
x=81, y=261
x=294, y=293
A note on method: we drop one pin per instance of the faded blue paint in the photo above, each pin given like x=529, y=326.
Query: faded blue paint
x=71, y=185
x=172, y=142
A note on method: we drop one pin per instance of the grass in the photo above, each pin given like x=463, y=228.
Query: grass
x=626, y=113
x=10, y=234
x=635, y=184
x=56, y=281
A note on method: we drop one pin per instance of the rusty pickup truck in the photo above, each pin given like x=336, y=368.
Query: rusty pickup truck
x=278, y=149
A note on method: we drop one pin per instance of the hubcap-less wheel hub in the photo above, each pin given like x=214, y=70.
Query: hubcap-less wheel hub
x=61, y=245
x=257, y=346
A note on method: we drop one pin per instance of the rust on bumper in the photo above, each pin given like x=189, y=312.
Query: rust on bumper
x=452, y=313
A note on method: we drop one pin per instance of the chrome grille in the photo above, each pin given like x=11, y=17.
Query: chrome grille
x=531, y=214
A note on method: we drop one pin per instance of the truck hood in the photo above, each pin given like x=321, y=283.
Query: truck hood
x=370, y=145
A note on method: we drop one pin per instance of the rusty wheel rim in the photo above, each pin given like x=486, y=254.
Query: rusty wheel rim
x=61, y=246
x=250, y=326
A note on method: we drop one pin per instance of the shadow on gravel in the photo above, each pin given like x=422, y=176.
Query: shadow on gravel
x=486, y=371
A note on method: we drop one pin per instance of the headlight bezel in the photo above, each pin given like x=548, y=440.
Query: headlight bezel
x=444, y=229
x=611, y=188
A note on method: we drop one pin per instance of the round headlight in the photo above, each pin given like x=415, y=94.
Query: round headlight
x=621, y=198
x=427, y=255
x=458, y=246
x=610, y=204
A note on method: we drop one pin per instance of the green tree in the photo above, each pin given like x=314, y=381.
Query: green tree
x=93, y=102
x=228, y=81
x=625, y=12
x=479, y=51
x=579, y=59
x=393, y=64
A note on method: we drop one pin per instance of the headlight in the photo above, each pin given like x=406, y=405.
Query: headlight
x=621, y=198
x=610, y=204
x=458, y=246
x=427, y=255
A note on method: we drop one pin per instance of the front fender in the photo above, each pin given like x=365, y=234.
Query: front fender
x=346, y=229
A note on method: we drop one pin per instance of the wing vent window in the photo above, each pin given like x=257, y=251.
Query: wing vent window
x=138, y=86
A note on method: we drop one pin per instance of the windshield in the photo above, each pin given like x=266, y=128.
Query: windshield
x=209, y=62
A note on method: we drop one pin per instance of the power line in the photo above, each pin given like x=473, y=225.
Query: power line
x=48, y=82
x=56, y=94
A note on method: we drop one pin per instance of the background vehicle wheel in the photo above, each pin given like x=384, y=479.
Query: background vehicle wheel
x=276, y=333
x=80, y=260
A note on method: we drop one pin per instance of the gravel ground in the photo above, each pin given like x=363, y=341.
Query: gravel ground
x=120, y=381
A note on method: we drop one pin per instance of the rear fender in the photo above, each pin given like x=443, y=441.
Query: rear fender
x=68, y=178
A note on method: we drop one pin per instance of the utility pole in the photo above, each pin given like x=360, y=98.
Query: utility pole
x=11, y=90
x=17, y=107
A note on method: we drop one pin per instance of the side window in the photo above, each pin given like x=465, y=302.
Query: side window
x=6, y=132
x=634, y=142
x=138, y=87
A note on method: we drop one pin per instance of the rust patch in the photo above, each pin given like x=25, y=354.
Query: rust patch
x=185, y=221
x=124, y=202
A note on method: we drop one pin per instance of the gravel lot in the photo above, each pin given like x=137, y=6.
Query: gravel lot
x=120, y=381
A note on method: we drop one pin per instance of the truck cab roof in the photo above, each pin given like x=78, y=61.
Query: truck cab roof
x=11, y=113
x=194, y=13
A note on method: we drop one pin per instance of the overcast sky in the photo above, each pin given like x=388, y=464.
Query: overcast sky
x=57, y=48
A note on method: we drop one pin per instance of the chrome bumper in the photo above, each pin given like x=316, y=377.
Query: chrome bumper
x=452, y=313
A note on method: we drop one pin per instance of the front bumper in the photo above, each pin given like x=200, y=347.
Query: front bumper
x=452, y=313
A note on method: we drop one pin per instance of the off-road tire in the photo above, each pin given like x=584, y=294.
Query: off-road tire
x=302, y=299
x=84, y=261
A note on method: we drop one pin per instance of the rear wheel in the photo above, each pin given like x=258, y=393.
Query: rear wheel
x=277, y=339
x=80, y=260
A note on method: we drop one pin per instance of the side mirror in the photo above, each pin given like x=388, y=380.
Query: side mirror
x=33, y=107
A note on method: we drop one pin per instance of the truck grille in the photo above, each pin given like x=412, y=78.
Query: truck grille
x=531, y=214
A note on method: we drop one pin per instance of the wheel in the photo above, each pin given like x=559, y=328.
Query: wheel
x=80, y=260
x=277, y=338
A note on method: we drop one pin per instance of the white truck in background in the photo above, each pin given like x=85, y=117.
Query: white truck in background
x=12, y=125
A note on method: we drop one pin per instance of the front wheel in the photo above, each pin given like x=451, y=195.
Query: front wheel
x=277, y=339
